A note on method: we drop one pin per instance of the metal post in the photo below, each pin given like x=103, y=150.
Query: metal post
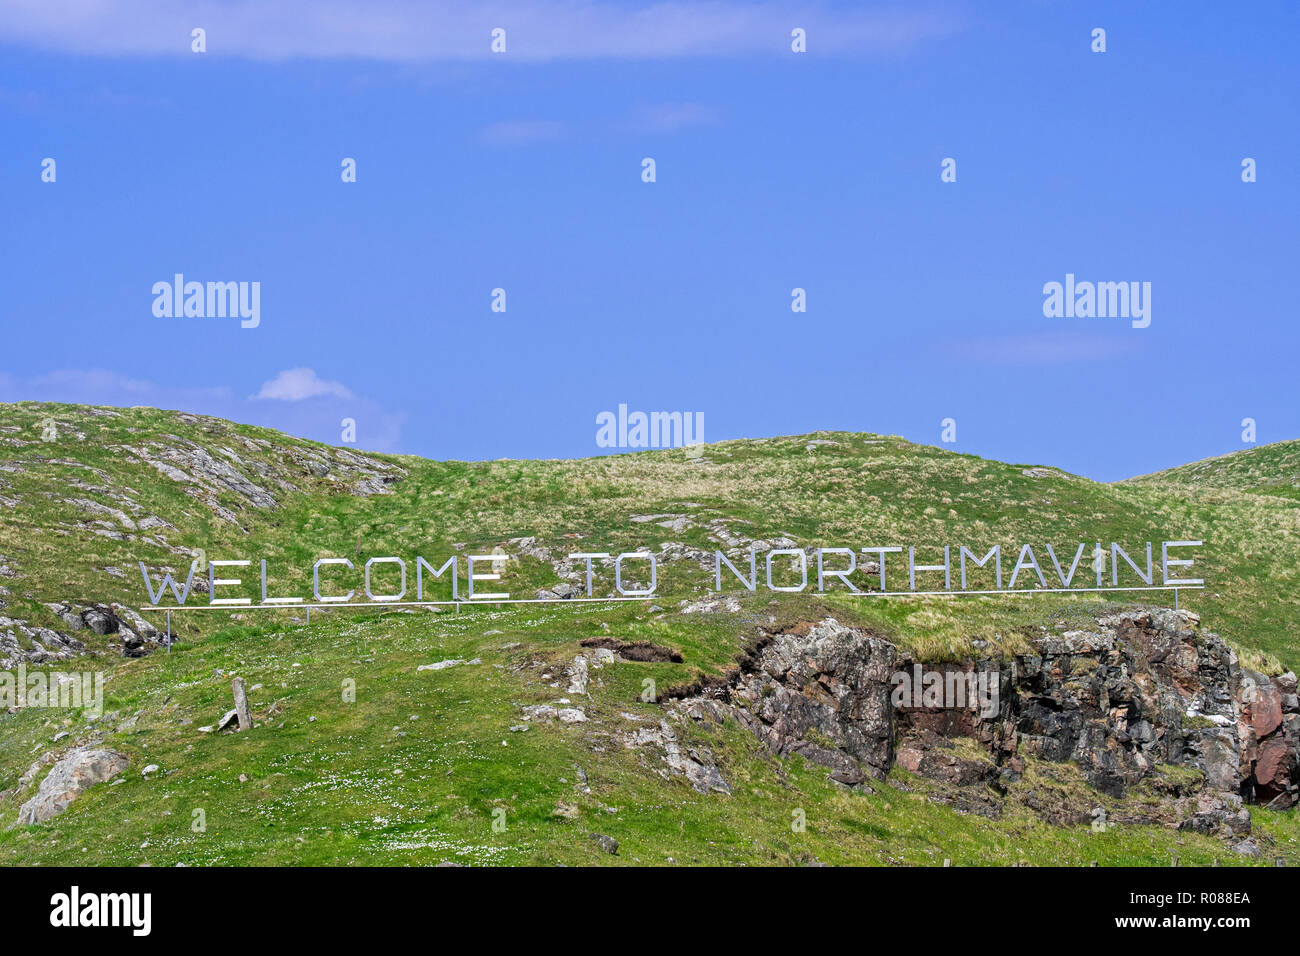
x=169, y=632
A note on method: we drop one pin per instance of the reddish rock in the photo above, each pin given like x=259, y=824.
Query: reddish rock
x=1265, y=706
x=1273, y=769
x=909, y=759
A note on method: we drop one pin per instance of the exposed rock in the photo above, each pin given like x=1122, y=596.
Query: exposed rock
x=695, y=764
x=606, y=843
x=208, y=476
x=578, y=676
x=1248, y=848
x=69, y=616
x=1214, y=812
x=88, y=506
x=66, y=781
x=716, y=605
x=138, y=636
x=822, y=692
x=443, y=665
x=560, y=592
x=99, y=620
x=1147, y=690
x=21, y=641
x=634, y=650
x=546, y=712
x=44, y=760
x=241, y=703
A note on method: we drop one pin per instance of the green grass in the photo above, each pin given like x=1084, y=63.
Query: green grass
x=366, y=784
x=348, y=787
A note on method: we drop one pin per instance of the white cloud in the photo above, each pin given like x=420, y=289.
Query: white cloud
x=1048, y=348
x=432, y=30
x=521, y=132
x=296, y=384
x=300, y=405
x=670, y=117
x=96, y=386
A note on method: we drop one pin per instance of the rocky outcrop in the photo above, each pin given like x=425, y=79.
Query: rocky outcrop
x=1149, y=688
x=633, y=650
x=276, y=468
x=1145, y=691
x=138, y=637
x=820, y=691
x=560, y=592
x=22, y=641
x=694, y=763
x=68, y=779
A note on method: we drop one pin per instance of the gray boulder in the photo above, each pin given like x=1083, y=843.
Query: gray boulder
x=68, y=779
x=606, y=843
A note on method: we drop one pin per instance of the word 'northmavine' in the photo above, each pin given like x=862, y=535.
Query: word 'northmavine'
x=835, y=564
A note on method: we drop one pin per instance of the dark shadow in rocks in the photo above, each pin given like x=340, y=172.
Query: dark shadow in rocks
x=644, y=651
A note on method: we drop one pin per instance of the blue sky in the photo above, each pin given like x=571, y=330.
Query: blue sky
x=775, y=170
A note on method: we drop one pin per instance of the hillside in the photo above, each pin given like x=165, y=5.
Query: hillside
x=423, y=762
x=1267, y=470
x=117, y=486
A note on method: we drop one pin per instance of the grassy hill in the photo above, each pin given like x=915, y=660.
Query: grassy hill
x=423, y=763
x=1267, y=470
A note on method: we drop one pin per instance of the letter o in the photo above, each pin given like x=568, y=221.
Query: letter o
x=386, y=597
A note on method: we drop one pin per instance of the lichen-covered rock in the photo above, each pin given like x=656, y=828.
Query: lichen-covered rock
x=693, y=763
x=820, y=691
x=68, y=779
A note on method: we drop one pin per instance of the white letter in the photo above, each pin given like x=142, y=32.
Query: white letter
x=469, y=573
x=315, y=581
x=1166, y=561
x=215, y=582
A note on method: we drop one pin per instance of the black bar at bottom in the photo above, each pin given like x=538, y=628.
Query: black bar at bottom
x=269, y=906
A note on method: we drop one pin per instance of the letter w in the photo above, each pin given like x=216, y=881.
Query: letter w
x=167, y=582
